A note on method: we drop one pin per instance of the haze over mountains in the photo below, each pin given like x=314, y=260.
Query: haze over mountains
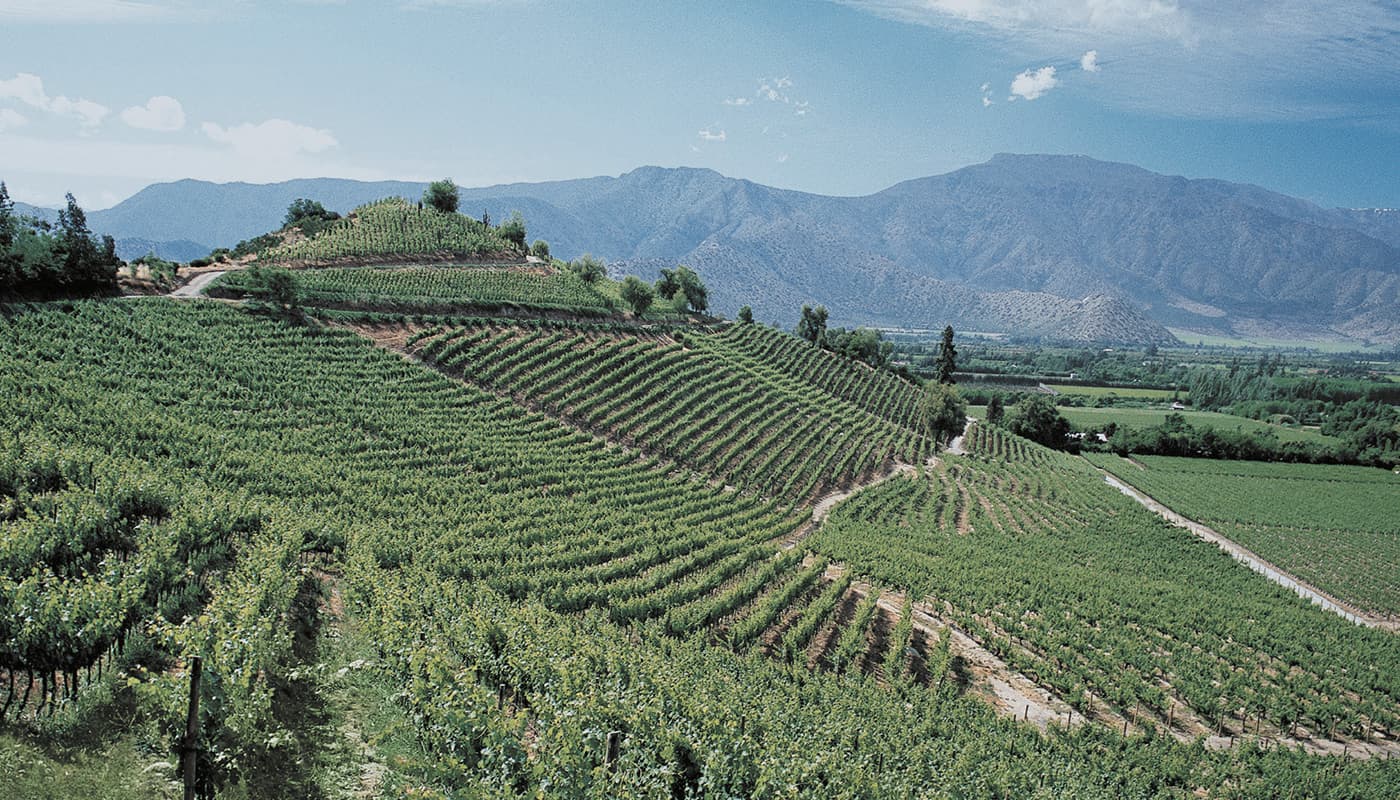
x=1061, y=246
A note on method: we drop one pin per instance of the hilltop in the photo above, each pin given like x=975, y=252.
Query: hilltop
x=1057, y=246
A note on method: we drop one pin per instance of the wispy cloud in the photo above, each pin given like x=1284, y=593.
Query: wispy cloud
x=712, y=134
x=87, y=11
x=1033, y=85
x=11, y=119
x=161, y=113
x=1259, y=59
x=275, y=139
x=738, y=101
x=28, y=88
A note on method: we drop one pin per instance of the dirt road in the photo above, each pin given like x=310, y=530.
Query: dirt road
x=197, y=284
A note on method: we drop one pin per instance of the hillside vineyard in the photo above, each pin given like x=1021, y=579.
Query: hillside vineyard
x=578, y=558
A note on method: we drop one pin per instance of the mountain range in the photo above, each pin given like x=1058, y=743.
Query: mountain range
x=1063, y=247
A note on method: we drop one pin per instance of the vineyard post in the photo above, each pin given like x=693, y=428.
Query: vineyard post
x=614, y=746
x=189, y=748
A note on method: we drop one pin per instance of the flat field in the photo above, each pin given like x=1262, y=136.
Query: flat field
x=1336, y=527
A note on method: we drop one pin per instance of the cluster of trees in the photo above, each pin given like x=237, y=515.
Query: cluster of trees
x=860, y=344
x=39, y=260
x=444, y=197
x=681, y=287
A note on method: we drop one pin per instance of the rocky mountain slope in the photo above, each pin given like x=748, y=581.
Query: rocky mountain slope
x=1064, y=247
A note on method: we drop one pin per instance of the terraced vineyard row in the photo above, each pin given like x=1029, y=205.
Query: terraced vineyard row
x=877, y=391
x=1098, y=599
x=468, y=527
x=437, y=289
x=393, y=228
x=1333, y=526
x=699, y=401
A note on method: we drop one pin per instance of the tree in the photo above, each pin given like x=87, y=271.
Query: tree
x=812, y=326
x=683, y=281
x=302, y=210
x=590, y=269
x=746, y=315
x=995, y=409
x=513, y=230
x=943, y=411
x=637, y=294
x=7, y=218
x=1037, y=419
x=442, y=195
x=540, y=250
x=947, y=357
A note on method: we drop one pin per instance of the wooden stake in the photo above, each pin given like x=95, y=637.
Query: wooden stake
x=190, y=746
x=614, y=748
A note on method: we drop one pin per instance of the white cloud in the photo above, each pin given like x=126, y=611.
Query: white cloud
x=1031, y=85
x=161, y=113
x=712, y=135
x=783, y=82
x=1089, y=62
x=782, y=158
x=86, y=11
x=738, y=101
x=803, y=107
x=10, y=119
x=1155, y=18
x=986, y=90
x=275, y=139
x=29, y=89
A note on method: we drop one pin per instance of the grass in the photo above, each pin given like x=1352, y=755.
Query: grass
x=1331, y=525
x=1082, y=418
x=1192, y=338
x=117, y=772
x=1115, y=391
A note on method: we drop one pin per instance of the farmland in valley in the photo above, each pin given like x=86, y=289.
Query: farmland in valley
x=1333, y=526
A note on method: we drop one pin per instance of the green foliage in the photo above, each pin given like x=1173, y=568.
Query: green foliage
x=862, y=344
x=1064, y=578
x=307, y=215
x=1329, y=525
x=513, y=231
x=389, y=229
x=947, y=357
x=637, y=294
x=745, y=315
x=1037, y=419
x=40, y=261
x=996, y=411
x=442, y=196
x=540, y=250
x=588, y=268
x=812, y=325
x=943, y=411
x=434, y=289
x=683, y=282
x=786, y=424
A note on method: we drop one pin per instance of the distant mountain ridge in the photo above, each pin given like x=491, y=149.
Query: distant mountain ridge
x=1065, y=247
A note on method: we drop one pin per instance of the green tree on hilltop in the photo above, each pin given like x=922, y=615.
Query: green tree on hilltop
x=943, y=411
x=442, y=196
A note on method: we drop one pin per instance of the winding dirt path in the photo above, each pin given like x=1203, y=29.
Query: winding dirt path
x=1252, y=560
x=197, y=284
x=956, y=445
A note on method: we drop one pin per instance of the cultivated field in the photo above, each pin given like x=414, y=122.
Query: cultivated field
x=1336, y=527
x=551, y=598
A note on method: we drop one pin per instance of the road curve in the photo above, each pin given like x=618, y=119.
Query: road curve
x=197, y=284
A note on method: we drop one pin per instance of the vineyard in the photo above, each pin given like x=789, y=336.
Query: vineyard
x=395, y=229
x=733, y=405
x=547, y=612
x=1333, y=526
x=437, y=289
x=1114, y=610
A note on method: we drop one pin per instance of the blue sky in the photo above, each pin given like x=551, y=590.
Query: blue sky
x=102, y=97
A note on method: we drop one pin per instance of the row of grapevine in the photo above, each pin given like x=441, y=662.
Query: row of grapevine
x=393, y=227
x=1333, y=526
x=437, y=288
x=749, y=425
x=1102, y=602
